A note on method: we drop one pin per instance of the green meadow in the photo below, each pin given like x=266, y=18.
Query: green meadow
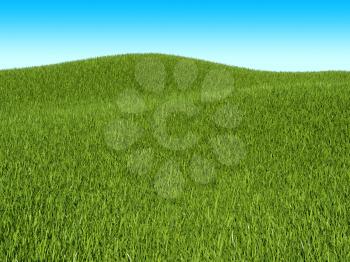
x=163, y=158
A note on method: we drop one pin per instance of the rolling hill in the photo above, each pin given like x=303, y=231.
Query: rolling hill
x=156, y=157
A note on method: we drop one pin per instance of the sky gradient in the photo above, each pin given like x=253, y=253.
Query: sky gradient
x=267, y=35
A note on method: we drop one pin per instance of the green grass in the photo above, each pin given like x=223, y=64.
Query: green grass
x=262, y=173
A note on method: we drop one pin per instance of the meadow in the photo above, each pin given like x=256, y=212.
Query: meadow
x=153, y=157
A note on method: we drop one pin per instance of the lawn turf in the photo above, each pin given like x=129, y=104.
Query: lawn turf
x=67, y=194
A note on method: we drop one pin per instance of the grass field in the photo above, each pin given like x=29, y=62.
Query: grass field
x=164, y=158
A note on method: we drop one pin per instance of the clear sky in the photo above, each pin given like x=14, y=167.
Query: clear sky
x=271, y=35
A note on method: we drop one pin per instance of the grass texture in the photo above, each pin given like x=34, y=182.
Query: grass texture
x=163, y=158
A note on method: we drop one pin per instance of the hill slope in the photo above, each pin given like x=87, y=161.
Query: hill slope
x=163, y=157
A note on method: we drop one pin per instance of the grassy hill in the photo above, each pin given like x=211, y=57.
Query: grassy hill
x=161, y=158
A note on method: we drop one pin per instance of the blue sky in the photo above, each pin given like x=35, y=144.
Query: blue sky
x=269, y=35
